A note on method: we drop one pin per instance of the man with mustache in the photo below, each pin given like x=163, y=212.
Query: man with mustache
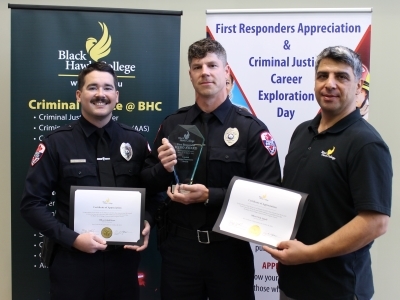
x=83, y=266
x=345, y=167
x=197, y=263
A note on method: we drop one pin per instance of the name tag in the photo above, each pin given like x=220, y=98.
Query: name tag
x=78, y=161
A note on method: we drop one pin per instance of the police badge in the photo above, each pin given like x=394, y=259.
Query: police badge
x=231, y=136
x=126, y=151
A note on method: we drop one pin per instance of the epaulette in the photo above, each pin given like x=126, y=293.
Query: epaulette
x=124, y=126
x=67, y=127
x=179, y=111
x=243, y=111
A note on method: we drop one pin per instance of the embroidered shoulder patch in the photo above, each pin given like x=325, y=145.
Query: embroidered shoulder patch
x=38, y=154
x=268, y=142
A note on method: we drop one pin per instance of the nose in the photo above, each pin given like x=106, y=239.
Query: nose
x=100, y=92
x=330, y=82
x=205, y=70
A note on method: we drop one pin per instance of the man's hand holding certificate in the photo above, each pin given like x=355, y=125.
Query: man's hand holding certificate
x=260, y=213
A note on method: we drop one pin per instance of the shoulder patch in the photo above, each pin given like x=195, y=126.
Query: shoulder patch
x=38, y=154
x=268, y=142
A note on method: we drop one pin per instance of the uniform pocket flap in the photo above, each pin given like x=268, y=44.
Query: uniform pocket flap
x=228, y=154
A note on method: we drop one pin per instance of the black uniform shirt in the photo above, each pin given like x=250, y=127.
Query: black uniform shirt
x=251, y=156
x=69, y=159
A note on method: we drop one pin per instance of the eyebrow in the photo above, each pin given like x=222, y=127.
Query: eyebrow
x=106, y=85
x=336, y=73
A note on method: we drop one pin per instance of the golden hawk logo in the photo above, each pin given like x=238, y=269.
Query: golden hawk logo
x=107, y=201
x=263, y=197
x=99, y=49
x=329, y=153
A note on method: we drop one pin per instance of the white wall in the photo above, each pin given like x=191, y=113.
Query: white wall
x=384, y=109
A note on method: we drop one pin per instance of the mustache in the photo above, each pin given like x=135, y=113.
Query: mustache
x=100, y=99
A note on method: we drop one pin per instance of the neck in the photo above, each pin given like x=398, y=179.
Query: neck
x=209, y=104
x=99, y=122
x=328, y=120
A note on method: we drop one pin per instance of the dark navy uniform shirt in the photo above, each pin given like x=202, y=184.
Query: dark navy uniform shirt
x=69, y=158
x=252, y=156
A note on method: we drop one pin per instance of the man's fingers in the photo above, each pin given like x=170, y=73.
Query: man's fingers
x=99, y=240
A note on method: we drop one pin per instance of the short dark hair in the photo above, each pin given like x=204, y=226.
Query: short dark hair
x=344, y=55
x=96, y=66
x=201, y=48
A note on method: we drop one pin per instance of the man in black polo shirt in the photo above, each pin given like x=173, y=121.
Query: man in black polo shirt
x=341, y=161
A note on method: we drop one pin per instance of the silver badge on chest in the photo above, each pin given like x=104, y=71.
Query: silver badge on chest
x=231, y=136
x=126, y=151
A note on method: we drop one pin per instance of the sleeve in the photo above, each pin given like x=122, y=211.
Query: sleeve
x=370, y=178
x=40, y=183
x=263, y=161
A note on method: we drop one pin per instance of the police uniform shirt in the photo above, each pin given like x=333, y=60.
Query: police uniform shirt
x=249, y=157
x=69, y=159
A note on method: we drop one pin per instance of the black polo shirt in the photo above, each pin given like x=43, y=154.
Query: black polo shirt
x=345, y=169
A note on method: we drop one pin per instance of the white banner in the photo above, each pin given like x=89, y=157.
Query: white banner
x=272, y=56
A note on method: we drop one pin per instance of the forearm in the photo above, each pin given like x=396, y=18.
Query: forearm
x=359, y=232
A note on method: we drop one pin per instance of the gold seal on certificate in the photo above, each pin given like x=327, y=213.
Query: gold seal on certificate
x=255, y=230
x=106, y=232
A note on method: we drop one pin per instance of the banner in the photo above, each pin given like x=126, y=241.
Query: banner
x=49, y=47
x=272, y=55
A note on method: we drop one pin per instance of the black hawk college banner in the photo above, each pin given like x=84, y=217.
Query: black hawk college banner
x=49, y=46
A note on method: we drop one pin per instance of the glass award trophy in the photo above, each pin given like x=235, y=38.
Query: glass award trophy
x=188, y=143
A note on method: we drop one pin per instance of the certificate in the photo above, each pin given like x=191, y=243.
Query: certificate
x=260, y=213
x=115, y=214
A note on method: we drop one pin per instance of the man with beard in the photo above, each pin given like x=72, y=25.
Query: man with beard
x=83, y=266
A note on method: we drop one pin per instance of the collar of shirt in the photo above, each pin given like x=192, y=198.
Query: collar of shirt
x=339, y=126
x=88, y=128
x=221, y=112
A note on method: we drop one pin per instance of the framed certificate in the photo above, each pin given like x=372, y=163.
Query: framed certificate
x=260, y=213
x=115, y=214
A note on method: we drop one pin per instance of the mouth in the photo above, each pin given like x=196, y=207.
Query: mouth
x=99, y=102
x=329, y=96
